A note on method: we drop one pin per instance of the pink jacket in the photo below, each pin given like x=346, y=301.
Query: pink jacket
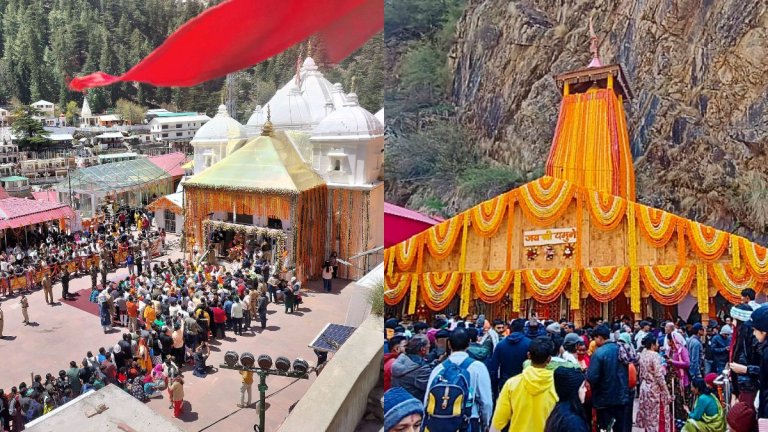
x=681, y=361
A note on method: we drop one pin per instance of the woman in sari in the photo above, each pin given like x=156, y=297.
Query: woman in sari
x=653, y=413
x=707, y=414
x=677, y=375
x=144, y=357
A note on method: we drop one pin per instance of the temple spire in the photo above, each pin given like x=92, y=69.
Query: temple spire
x=267, y=130
x=593, y=48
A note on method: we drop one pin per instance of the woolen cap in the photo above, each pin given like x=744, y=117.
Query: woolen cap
x=741, y=312
x=567, y=383
x=398, y=404
x=741, y=417
x=760, y=318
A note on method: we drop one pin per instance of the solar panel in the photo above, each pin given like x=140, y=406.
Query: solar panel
x=332, y=337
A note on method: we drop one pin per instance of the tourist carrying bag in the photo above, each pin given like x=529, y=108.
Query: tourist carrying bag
x=449, y=399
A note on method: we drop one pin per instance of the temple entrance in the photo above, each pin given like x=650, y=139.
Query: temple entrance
x=233, y=242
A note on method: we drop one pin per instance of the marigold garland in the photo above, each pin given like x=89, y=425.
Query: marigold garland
x=756, y=258
x=575, y=290
x=607, y=210
x=510, y=219
x=464, y=238
x=634, y=291
x=414, y=295
x=702, y=288
x=605, y=283
x=734, y=249
x=438, y=289
x=488, y=216
x=390, y=263
x=730, y=281
x=396, y=287
x=517, y=292
x=544, y=200
x=466, y=294
x=546, y=285
x=657, y=226
x=708, y=243
x=682, y=250
x=491, y=286
x=441, y=238
x=668, y=284
x=406, y=252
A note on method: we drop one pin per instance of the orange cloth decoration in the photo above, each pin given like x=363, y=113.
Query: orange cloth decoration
x=438, y=289
x=668, y=284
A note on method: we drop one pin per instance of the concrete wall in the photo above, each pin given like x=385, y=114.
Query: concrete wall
x=338, y=398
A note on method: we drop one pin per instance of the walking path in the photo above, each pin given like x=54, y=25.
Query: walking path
x=64, y=332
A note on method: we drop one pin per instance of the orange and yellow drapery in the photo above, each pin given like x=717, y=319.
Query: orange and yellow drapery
x=438, y=289
x=441, y=238
x=396, y=287
x=605, y=283
x=756, y=259
x=607, y=211
x=708, y=243
x=668, y=284
x=406, y=252
x=487, y=216
x=546, y=285
x=657, y=226
x=729, y=281
x=491, y=286
x=544, y=201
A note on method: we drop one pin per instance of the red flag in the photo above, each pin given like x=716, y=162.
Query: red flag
x=237, y=34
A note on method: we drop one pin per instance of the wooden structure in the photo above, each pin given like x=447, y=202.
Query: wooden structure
x=573, y=243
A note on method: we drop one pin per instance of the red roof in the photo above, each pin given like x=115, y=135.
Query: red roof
x=401, y=223
x=391, y=209
x=48, y=196
x=170, y=163
x=19, y=212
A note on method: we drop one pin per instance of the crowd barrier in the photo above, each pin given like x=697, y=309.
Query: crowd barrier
x=30, y=279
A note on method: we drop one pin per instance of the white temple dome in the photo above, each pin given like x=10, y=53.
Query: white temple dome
x=221, y=128
x=380, y=115
x=290, y=112
x=258, y=117
x=351, y=121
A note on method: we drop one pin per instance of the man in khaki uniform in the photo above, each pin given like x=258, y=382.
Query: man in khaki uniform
x=24, y=305
x=47, y=289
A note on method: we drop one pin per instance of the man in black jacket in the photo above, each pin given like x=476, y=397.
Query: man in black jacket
x=609, y=380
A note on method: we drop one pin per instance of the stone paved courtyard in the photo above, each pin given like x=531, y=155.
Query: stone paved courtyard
x=62, y=333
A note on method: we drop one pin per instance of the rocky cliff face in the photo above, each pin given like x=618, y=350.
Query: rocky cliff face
x=698, y=123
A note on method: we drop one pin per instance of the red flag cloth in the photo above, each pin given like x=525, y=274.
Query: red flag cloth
x=237, y=34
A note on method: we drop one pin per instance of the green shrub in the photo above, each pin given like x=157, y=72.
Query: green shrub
x=376, y=298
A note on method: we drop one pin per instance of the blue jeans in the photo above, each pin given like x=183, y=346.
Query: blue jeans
x=327, y=285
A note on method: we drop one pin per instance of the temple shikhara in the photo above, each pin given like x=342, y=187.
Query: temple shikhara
x=574, y=243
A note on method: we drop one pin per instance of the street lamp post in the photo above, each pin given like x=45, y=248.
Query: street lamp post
x=300, y=370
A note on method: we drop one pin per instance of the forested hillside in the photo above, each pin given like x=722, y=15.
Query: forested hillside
x=45, y=42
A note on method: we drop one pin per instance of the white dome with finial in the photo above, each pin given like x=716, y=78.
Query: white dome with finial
x=351, y=121
x=380, y=115
x=221, y=128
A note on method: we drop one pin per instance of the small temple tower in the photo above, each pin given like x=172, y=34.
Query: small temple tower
x=591, y=145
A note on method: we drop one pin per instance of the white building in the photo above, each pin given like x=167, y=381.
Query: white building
x=47, y=110
x=217, y=139
x=180, y=128
x=300, y=104
x=348, y=145
x=87, y=119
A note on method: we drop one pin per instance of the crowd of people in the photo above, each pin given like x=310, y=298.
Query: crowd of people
x=48, y=251
x=474, y=374
x=170, y=311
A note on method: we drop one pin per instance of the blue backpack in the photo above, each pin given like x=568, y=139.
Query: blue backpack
x=449, y=399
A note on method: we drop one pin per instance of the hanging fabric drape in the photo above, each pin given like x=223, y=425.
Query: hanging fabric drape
x=242, y=33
